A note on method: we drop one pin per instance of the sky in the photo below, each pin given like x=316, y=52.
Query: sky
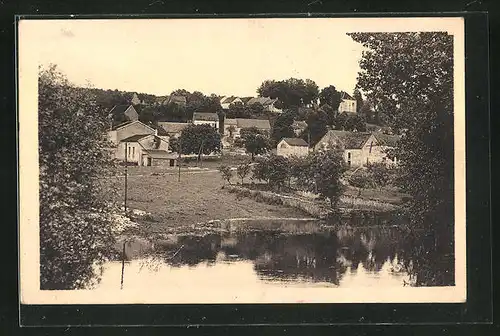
x=226, y=56
x=222, y=56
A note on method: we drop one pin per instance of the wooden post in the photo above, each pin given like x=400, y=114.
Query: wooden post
x=126, y=176
x=179, y=159
x=123, y=265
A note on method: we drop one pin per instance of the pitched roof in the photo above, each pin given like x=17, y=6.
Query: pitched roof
x=172, y=127
x=229, y=121
x=350, y=140
x=258, y=123
x=245, y=99
x=295, y=142
x=177, y=99
x=119, y=109
x=205, y=116
x=228, y=100
x=345, y=95
x=121, y=125
x=261, y=100
x=135, y=138
x=162, y=99
x=386, y=139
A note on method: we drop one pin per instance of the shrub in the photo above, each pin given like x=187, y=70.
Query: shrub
x=226, y=173
x=380, y=173
x=243, y=170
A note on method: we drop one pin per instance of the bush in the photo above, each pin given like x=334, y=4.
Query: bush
x=380, y=173
x=76, y=222
x=226, y=173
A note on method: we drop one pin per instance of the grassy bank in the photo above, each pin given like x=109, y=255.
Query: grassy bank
x=197, y=198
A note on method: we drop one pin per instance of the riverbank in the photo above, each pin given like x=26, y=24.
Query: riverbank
x=198, y=197
x=310, y=203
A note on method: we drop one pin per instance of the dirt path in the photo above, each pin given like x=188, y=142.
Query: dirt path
x=197, y=198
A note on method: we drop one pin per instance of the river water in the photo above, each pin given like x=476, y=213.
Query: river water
x=283, y=255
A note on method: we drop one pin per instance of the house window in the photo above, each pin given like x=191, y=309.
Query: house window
x=283, y=146
x=129, y=150
x=349, y=158
x=133, y=152
x=371, y=145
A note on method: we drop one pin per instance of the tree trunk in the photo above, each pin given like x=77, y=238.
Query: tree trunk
x=253, y=157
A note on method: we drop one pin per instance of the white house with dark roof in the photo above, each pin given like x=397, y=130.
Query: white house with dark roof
x=226, y=101
x=146, y=150
x=347, y=103
x=202, y=118
x=266, y=102
x=128, y=129
x=289, y=147
x=123, y=113
x=359, y=148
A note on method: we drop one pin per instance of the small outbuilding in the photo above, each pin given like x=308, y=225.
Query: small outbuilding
x=289, y=147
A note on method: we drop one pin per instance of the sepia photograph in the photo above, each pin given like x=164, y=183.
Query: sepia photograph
x=241, y=160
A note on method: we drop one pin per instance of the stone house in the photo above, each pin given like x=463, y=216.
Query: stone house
x=146, y=150
x=347, y=103
x=173, y=129
x=226, y=101
x=289, y=147
x=359, y=148
x=123, y=113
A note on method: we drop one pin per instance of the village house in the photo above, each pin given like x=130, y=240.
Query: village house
x=166, y=100
x=127, y=129
x=262, y=125
x=289, y=147
x=173, y=129
x=226, y=101
x=266, y=102
x=359, y=148
x=212, y=119
x=136, y=100
x=146, y=150
x=347, y=103
x=123, y=113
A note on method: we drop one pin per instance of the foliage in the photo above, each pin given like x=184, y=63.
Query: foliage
x=416, y=95
x=274, y=169
x=362, y=180
x=231, y=129
x=359, y=99
x=200, y=139
x=75, y=219
x=300, y=172
x=326, y=169
x=254, y=141
x=291, y=92
x=329, y=95
x=226, y=173
x=380, y=173
x=316, y=127
x=243, y=170
x=355, y=123
x=282, y=128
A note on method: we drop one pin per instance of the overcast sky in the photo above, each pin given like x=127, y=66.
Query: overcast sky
x=224, y=56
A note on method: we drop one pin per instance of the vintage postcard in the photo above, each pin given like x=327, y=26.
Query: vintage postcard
x=238, y=160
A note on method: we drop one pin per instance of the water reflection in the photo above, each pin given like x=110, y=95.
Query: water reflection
x=346, y=256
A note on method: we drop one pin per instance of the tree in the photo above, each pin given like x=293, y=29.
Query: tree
x=254, y=141
x=355, y=123
x=231, y=129
x=361, y=179
x=366, y=112
x=380, y=173
x=329, y=95
x=226, y=173
x=416, y=94
x=300, y=172
x=243, y=170
x=317, y=122
x=327, y=167
x=75, y=218
x=291, y=92
x=200, y=139
x=237, y=110
x=282, y=128
x=279, y=171
x=341, y=121
x=359, y=99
